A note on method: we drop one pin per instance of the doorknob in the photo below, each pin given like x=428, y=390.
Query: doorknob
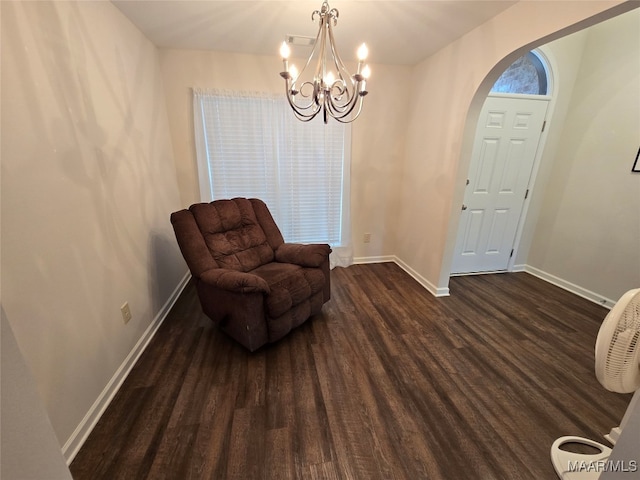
x=464, y=207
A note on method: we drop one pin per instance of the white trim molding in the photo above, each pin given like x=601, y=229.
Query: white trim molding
x=378, y=259
x=72, y=446
x=571, y=287
x=435, y=291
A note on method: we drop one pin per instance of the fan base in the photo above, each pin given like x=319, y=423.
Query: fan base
x=578, y=466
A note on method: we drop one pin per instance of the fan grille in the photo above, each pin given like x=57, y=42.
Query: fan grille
x=622, y=369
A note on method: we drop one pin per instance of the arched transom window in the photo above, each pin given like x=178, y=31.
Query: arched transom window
x=527, y=75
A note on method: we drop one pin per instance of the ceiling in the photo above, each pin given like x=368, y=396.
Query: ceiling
x=397, y=32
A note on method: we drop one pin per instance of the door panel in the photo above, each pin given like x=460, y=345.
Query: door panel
x=472, y=233
x=511, y=173
x=504, y=150
x=498, y=227
x=487, y=161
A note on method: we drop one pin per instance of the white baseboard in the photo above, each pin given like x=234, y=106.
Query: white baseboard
x=436, y=292
x=81, y=433
x=378, y=259
x=571, y=287
x=444, y=292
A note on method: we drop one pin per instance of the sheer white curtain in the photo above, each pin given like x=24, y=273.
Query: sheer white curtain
x=251, y=145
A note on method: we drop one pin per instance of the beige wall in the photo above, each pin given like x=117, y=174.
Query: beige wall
x=88, y=183
x=377, y=136
x=449, y=89
x=564, y=56
x=588, y=232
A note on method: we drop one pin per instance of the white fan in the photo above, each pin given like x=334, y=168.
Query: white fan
x=618, y=370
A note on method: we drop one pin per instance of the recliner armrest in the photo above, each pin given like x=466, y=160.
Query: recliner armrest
x=234, y=281
x=311, y=255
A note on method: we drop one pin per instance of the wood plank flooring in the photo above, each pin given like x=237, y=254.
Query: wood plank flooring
x=388, y=382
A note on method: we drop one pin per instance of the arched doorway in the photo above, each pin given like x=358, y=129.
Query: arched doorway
x=507, y=144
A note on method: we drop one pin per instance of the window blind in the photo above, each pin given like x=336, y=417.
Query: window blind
x=252, y=146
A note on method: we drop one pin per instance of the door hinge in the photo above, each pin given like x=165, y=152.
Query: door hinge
x=544, y=124
x=511, y=254
x=526, y=194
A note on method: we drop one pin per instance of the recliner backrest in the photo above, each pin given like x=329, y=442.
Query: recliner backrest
x=233, y=234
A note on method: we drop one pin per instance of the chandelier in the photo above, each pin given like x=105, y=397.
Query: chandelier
x=332, y=89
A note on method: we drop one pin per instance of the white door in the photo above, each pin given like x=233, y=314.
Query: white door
x=504, y=150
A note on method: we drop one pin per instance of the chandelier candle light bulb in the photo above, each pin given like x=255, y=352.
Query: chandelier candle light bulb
x=339, y=95
x=329, y=80
x=363, y=51
x=285, y=51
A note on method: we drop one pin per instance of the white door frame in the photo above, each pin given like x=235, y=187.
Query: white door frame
x=550, y=67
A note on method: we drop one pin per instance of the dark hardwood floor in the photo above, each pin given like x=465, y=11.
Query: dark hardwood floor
x=388, y=382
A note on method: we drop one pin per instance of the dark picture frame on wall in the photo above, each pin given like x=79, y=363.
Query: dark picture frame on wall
x=636, y=164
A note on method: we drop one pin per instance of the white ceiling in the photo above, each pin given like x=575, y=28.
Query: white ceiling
x=396, y=31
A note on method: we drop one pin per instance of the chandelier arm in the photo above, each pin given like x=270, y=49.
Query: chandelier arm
x=289, y=88
x=321, y=65
x=302, y=111
x=359, y=101
x=313, y=52
x=340, y=67
x=300, y=114
x=345, y=108
x=351, y=118
x=312, y=103
x=333, y=13
x=305, y=118
x=340, y=108
x=342, y=111
x=357, y=98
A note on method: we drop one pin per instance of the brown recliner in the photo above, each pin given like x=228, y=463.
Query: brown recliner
x=251, y=283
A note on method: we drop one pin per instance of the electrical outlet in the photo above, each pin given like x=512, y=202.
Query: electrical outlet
x=366, y=238
x=126, y=312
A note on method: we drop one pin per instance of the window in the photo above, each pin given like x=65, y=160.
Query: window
x=526, y=75
x=253, y=146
